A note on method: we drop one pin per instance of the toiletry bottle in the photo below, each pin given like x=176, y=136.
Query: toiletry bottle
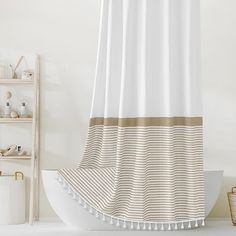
x=23, y=110
x=18, y=150
x=7, y=110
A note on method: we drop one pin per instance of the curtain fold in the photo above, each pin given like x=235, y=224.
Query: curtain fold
x=143, y=164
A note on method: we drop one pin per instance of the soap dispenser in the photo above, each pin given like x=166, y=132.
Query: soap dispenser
x=7, y=110
x=23, y=113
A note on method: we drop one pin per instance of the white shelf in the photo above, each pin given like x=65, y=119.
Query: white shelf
x=15, y=158
x=16, y=120
x=16, y=81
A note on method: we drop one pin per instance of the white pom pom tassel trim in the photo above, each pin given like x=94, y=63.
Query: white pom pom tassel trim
x=176, y=226
x=131, y=225
x=150, y=226
x=138, y=226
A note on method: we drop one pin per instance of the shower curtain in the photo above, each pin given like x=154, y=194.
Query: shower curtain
x=142, y=167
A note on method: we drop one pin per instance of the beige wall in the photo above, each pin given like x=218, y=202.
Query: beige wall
x=64, y=33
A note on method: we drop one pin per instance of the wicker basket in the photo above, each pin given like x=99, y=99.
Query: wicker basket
x=232, y=204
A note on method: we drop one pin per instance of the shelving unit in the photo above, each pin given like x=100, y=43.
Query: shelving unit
x=34, y=122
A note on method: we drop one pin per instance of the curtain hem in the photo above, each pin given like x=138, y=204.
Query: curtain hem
x=129, y=224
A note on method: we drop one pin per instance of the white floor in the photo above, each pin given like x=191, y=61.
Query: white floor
x=219, y=227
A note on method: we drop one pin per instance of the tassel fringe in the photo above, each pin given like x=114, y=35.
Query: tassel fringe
x=150, y=226
x=138, y=226
x=144, y=226
x=155, y=228
x=176, y=226
x=126, y=224
x=203, y=222
x=118, y=223
x=162, y=227
x=131, y=225
x=189, y=224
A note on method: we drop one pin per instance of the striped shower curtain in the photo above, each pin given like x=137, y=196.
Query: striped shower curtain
x=142, y=166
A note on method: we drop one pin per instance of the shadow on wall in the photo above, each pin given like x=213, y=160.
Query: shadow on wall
x=221, y=209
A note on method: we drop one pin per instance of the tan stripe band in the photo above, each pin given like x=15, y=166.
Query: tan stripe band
x=146, y=121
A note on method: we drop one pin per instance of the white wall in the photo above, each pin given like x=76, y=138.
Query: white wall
x=219, y=86
x=64, y=33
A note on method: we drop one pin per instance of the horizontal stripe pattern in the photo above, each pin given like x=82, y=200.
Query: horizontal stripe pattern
x=147, y=173
x=146, y=121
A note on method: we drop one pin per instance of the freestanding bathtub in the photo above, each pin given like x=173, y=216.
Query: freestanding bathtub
x=72, y=213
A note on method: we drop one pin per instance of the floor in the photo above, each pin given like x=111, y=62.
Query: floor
x=219, y=227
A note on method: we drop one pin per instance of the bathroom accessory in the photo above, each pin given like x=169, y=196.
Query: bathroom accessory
x=27, y=75
x=14, y=114
x=30, y=62
x=13, y=69
x=12, y=198
x=73, y=214
x=10, y=151
x=8, y=96
x=23, y=113
x=13, y=150
x=20, y=151
x=7, y=110
x=232, y=204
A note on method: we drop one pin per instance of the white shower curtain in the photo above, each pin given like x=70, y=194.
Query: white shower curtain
x=142, y=165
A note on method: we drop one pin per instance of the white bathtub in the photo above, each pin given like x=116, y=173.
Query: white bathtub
x=72, y=213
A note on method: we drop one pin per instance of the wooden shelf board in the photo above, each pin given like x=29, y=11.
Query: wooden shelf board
x=15, y=158
x=16, y=81
x=16, y=120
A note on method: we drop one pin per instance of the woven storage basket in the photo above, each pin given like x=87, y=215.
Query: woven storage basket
x=232, y=204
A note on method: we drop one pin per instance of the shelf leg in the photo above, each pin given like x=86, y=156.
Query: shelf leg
x=32, y=192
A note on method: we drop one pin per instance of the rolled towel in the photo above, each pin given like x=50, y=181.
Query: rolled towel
x=10, y=150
